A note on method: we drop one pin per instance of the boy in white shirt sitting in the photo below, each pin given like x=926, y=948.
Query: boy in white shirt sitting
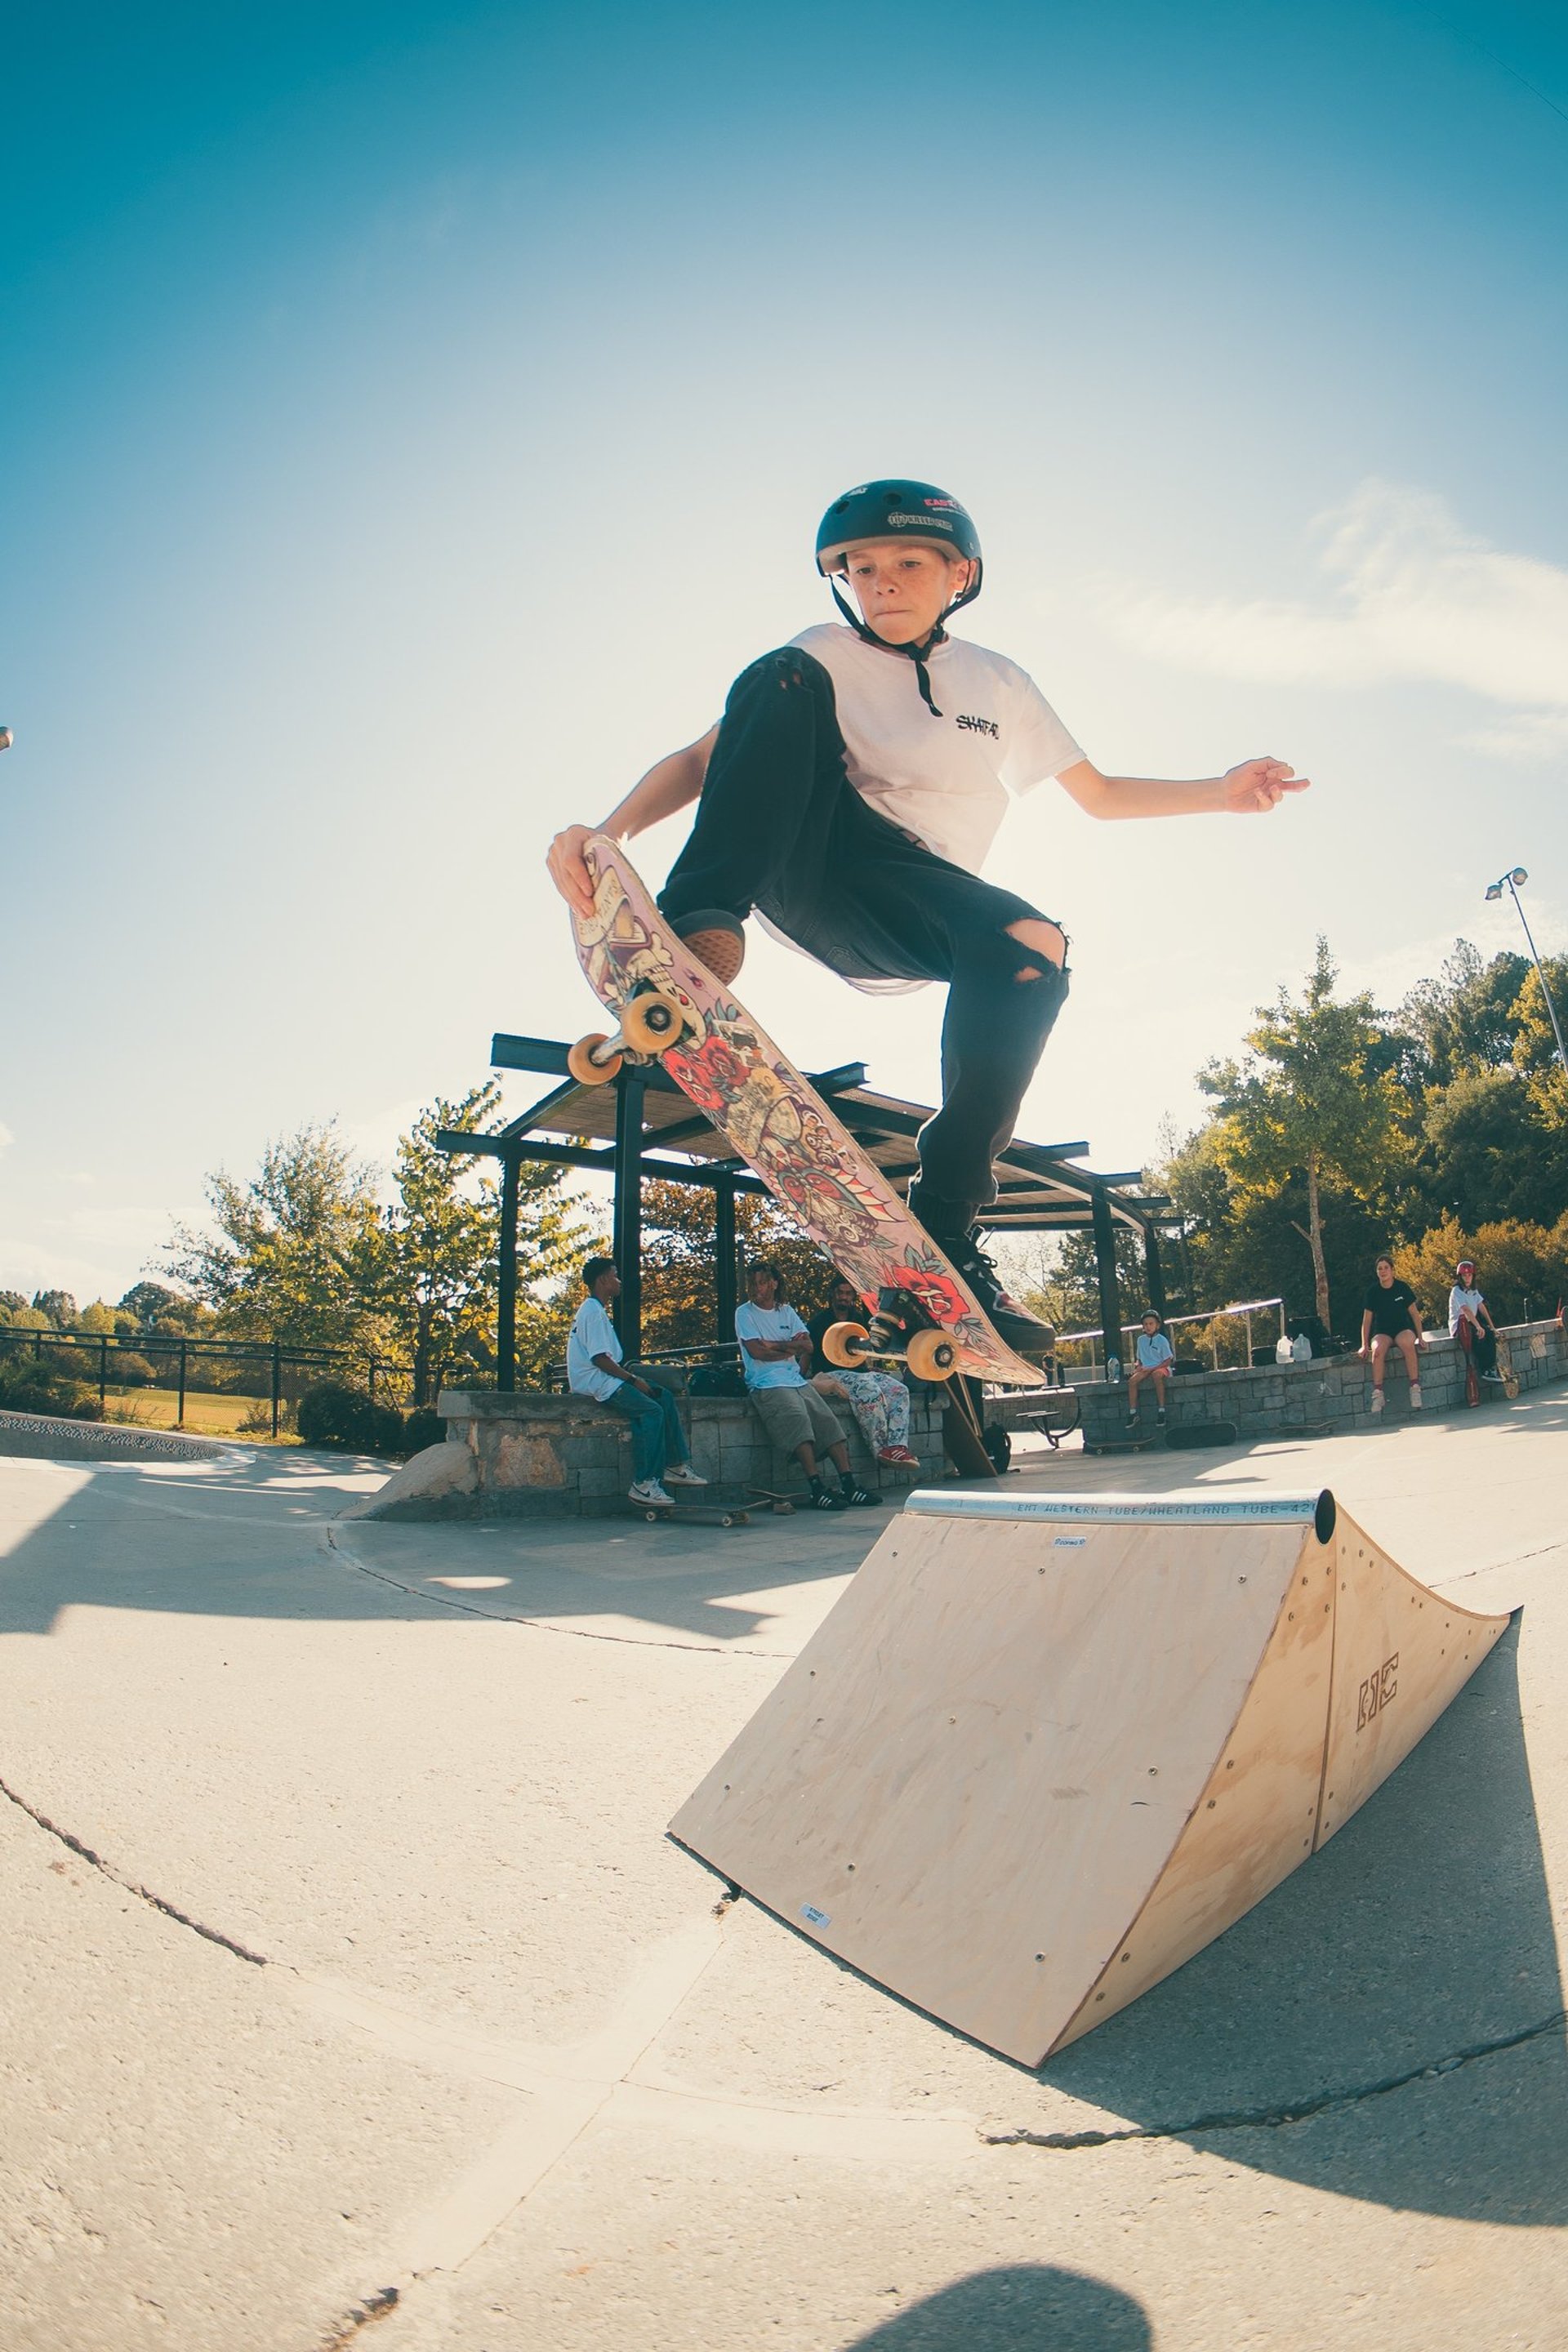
x=595, y=1367
x=849, y=796
x=775, y=1349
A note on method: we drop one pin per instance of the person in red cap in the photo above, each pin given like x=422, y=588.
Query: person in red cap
x=1471, y=1317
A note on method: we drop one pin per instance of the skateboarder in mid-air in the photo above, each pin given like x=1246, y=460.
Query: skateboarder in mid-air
x=849, y=797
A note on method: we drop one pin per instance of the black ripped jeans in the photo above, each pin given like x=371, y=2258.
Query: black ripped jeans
x=780, y=828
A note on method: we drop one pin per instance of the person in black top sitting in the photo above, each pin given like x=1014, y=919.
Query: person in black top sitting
x=1390, y=1318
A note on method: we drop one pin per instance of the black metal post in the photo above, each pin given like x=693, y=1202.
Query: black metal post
x=180, y=1413
x=276, y=1384
x=1153, y=1271
x=506, y=1280
x=1105, y=1267
x=724, y=1258
x=102, y=1374
x=628, y=1228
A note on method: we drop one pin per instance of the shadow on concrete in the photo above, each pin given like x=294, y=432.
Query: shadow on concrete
x=1420, y=1938
x=1025, y=2308
x=248, y=1536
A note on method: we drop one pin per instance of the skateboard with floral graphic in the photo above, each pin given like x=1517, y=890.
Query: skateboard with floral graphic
x=671, y=1010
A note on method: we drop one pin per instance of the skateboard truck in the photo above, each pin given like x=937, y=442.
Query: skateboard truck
x=651, y=1022
x=930, y=1355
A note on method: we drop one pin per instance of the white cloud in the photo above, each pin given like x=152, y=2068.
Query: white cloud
x=1402, y=593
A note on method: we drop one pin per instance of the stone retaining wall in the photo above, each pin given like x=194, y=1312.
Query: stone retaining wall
x=532, y=1456
x=1325, y=1397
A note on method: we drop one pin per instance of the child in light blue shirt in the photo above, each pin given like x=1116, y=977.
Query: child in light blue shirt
x=1155, y=1357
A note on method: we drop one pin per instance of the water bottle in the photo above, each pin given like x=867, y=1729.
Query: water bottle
x=1113, y=1370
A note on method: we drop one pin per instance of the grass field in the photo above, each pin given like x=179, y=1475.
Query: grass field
x=205, y=1415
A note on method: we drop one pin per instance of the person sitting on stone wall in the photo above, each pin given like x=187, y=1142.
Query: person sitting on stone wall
x=1470, y=1321
x=775, y=1346
x=879, y=1399
x=1156, y=1358
x=1390, y=1318
x=595, y=1367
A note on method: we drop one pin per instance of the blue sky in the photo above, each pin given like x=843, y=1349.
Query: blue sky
x=413, y=419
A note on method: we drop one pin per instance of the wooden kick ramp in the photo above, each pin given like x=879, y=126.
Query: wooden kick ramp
x=1043, y=1751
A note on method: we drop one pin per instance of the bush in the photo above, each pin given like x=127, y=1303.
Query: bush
x=331, y=1413
x=27, y=1386
x=423, y=1427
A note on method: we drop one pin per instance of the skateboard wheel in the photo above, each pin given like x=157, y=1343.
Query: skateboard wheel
x=845, y=1344
x=930, y=1355
x=650, y=1024
x=584, y=1068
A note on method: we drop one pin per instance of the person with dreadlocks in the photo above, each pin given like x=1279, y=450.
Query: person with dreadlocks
x=849, y=796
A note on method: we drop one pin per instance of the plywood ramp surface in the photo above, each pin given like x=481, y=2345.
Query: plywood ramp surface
x=1041, y=1752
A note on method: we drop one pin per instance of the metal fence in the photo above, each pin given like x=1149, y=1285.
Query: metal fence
x=274, y=1375
x=1242, y=1313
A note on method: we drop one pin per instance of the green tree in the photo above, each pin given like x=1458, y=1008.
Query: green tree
x=441, y=1241
x=1315, y=1104
x=1489, y=1152
x=296, y=1256
x=1463, y=1018
x=148, y=1302
x=11, y=1303
x=679, y=1263
x=59, y=1306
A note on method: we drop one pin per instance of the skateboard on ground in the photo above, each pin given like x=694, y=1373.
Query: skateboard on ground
x=781, y=1505
x=694, y=1515
x=671, y=1010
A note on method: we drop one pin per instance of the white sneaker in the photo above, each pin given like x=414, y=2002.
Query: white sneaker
x=1377, y=1400
x=1415, y=1396
x=648, y=1490
x=681, y=1474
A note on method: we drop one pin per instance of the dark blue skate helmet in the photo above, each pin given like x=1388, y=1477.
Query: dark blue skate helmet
x=897, y=510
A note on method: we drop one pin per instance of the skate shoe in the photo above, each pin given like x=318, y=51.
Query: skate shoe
x=951, y=1226
x=681, y=1474
x=648, y=1490
x=717, y=939
x=1415, y=1396
x=1012, y=1324
x=1377, y=1401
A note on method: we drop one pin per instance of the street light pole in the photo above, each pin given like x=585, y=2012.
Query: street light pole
x=1509, y=883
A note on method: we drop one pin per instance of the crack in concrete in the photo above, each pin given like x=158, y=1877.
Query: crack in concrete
x=540, y=1625
x=133, y=1886
x=1276, y=2118
x=359, y=2316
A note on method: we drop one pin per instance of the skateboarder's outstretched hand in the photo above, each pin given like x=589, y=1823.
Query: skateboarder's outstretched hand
x=568, y=869
x=1259, y=785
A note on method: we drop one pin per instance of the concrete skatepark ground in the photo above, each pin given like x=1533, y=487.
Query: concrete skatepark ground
x=379, y=2005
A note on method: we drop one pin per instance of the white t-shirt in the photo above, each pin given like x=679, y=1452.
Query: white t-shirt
x=592, y=1334
x=1154, y=1349
x=769, y=1323
x=1462, y=1302
x=947, y=780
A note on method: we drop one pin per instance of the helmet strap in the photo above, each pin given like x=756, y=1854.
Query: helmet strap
x=917, y=653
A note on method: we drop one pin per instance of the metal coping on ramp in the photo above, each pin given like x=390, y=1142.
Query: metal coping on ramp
x=1041, y=1752
x=1147, y=1510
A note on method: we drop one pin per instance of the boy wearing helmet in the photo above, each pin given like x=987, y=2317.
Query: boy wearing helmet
x=849, y=796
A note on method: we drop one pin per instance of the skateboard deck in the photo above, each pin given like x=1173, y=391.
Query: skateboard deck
x=776, y=1123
